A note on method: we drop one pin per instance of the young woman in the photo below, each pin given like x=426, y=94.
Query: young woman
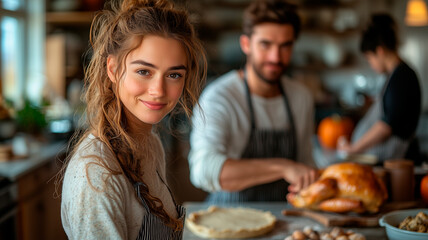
x=388, y=128
x=146, y=59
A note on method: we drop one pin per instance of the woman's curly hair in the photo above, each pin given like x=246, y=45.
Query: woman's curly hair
x=116, y=31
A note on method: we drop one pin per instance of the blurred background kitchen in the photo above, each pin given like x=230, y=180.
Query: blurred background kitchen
x=43, y=48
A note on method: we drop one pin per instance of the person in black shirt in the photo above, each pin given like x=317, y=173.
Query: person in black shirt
x=389, y=126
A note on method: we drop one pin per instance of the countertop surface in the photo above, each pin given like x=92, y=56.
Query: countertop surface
x=285, y=224
x=40, y=153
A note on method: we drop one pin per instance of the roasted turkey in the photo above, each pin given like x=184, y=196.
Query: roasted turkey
x=343, y=187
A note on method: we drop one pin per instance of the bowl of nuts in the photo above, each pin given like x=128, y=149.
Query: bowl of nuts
x=335, y=233
x=410, y=224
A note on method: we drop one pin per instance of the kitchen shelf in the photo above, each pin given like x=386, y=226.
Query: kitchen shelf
x=67, y=34
x=332, y=32
x=323, y=6
x=70, y=18
x=230, y=4
x=320, y=67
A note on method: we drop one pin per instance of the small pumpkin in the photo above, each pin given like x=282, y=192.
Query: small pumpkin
x=424, y=189
x=333, y=127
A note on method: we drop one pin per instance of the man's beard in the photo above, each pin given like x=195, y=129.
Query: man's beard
x=258, y=70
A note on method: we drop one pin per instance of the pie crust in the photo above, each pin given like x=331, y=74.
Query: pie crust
x=216, y=222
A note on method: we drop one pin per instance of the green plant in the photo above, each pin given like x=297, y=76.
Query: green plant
x=30, y=118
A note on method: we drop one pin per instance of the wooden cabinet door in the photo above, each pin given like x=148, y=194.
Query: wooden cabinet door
x=39, y=208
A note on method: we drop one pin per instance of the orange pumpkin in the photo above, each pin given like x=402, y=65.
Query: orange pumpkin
x=333, y=127
x=424, y=189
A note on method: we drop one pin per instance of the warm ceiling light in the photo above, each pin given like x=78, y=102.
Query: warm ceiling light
x=416, y=13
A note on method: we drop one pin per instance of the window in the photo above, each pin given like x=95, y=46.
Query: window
x=11, y=57
x=12, y=5
x=21, y=59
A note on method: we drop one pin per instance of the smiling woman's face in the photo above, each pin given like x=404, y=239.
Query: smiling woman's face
x=154, y=78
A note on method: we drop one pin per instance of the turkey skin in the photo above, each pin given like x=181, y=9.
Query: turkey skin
x=343, y=187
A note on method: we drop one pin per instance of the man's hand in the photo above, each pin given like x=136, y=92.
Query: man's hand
x=300, y=176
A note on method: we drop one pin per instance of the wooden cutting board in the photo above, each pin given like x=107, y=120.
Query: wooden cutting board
x=351, y=219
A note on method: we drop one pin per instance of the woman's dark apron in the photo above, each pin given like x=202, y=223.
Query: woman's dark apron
x=152, y=227
x=393, y=147
x=264, y=143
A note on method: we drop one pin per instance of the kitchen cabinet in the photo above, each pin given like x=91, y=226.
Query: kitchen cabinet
x=38, y=205
x=30, y=186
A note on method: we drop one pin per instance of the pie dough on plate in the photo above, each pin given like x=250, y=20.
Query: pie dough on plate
x=238, y=222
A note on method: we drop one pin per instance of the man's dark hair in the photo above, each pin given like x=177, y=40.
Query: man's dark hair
x=270, y=11
x=381, y=32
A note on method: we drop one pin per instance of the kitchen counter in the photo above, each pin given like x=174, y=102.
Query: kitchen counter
x=285, y=224
x=32, y=193
x=40, y=153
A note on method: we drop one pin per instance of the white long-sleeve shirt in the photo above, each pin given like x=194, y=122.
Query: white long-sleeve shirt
x=223, y=126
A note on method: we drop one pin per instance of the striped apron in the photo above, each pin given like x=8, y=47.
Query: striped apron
x=393, y=147
x=153, y=227
x=264, y=143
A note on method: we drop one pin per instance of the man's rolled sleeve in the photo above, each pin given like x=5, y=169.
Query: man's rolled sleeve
x=205, y=169
x=208, y=141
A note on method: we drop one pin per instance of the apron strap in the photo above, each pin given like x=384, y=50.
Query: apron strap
x=137, y=188
x=249, y=101
x=169, y=190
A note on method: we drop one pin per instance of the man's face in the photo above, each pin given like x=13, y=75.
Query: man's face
x=270, y=49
